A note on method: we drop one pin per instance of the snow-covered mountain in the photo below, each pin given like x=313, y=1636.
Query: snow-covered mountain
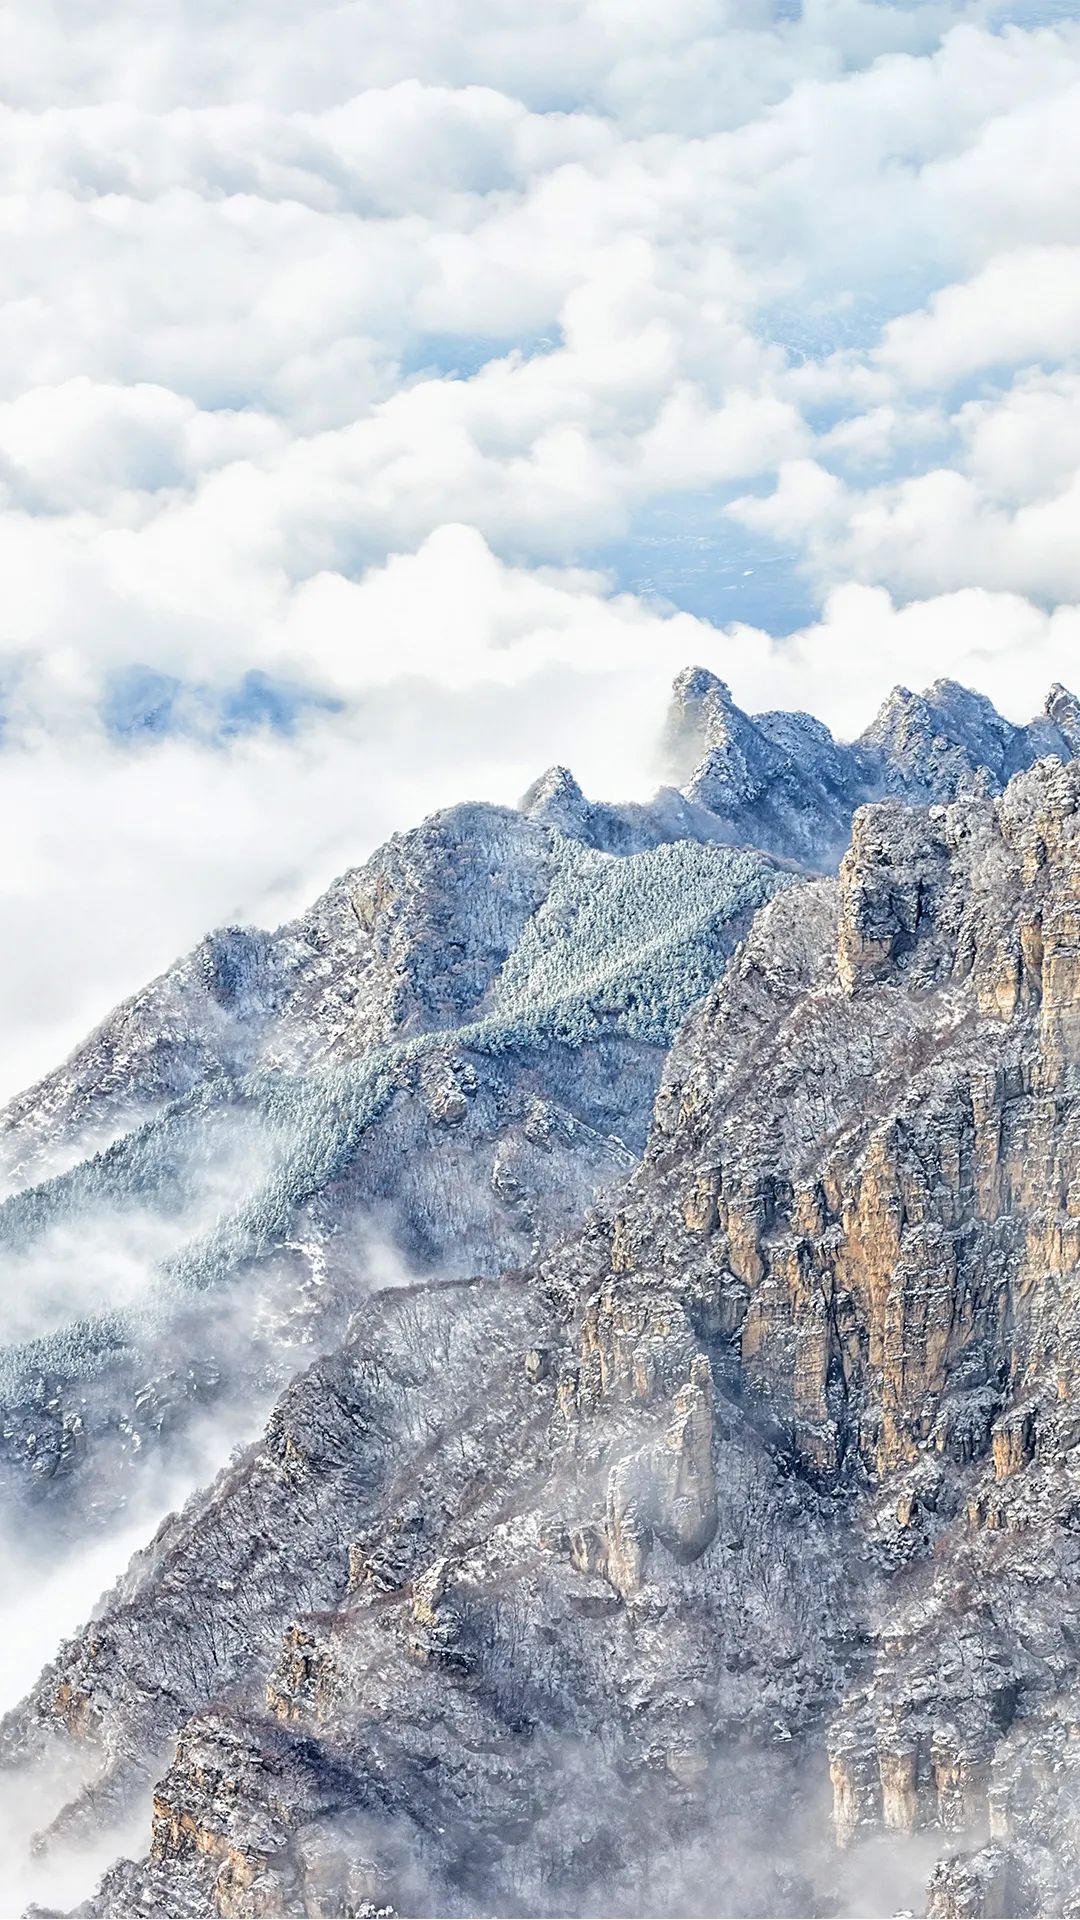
x=449, y=1056
x=780, y=780
x=756, y=1324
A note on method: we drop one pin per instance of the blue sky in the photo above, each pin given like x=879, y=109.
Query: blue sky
x=393, y=399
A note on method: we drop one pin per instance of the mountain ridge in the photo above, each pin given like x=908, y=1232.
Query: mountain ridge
x=354, y=1054
x=778, y=1309
x=704, y=723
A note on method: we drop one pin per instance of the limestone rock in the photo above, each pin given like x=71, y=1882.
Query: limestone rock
x=664, y=1501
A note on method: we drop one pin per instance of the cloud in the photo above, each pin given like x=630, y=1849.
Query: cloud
x=843, y=665
x=1022, y=308
x=367, y=353
x=619, y=55
x=1024, y=445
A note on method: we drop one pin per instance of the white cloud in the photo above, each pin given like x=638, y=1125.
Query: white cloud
x=338, y=344
x=1022, y=308
x=694, y=60
x=842, y=666
x=1023, y=446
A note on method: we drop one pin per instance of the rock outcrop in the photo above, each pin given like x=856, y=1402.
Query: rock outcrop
x=721, y=1555
x=780, y=780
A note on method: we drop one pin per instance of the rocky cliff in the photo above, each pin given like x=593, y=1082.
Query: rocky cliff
x=719, y=1555
x=780, y=780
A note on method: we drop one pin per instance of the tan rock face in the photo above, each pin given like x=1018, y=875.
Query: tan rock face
x=855, y=1789
x=76, y=1710
x=863, y=1194
x=899, y=1774
x=1013, y=1442
x=912, y=1749
x=881, y=1193
x=636, y=1345
x=685, y=1484
x=887, y=894
x=257, y=1830
x=436, y=1621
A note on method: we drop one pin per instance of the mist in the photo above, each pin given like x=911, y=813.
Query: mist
x=49, y=1590
x=95, y=1258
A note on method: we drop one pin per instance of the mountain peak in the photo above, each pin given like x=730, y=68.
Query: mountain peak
x=966, y=708
x=555, y=799
x=696, y=683
x=700, y=709
x=898, y=703
x=945, y=741
x=1063, y=708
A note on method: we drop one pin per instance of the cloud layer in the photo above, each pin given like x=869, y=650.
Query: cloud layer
x=462, y=371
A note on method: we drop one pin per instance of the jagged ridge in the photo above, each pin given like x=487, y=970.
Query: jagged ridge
x=804, y=1370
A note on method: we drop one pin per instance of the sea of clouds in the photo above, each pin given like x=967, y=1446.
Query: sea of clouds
x=393, y=398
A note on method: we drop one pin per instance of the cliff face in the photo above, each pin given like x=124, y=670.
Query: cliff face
x=867, y=1139
x=721, y=1557
x=868, y=1133
x=498, y=1608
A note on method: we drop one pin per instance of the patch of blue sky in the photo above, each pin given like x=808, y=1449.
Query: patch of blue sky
x=461, y=355
x=822, y=321
x=142, y=703
x=685, y=551
x=1033, y=13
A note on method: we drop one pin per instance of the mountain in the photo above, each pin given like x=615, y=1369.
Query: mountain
x=452, y=1053
x=739, y=1491
x=780, y=780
